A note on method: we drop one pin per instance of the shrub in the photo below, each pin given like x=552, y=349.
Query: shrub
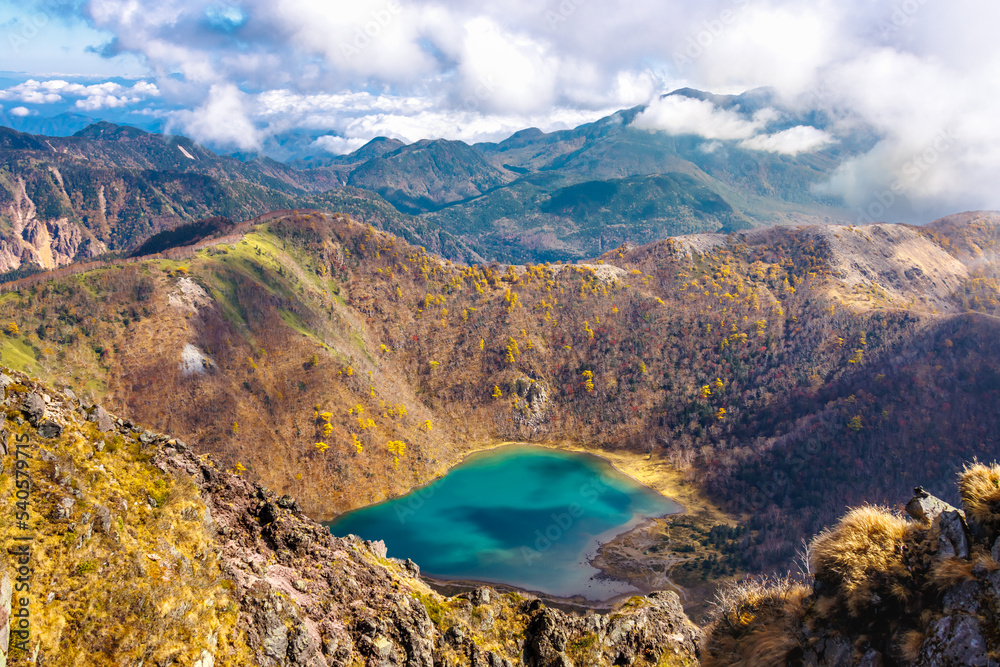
x=979, y=486
x=756, y=622
x=861, y=554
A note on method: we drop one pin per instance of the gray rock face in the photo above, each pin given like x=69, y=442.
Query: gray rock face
x=652, y=628
x=953, y=540
x=63, y=510
x=955, y=641
x=50, y=429
x=378, y=548
x=33, y=408
x=275, y=641
x=482, y=595
x=103, y=518
x=963, y=598
x=925, y=507
x=101, y=417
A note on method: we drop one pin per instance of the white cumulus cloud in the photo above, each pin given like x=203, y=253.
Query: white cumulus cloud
x=795, y=140
x=91, y=97
x=222, y=119
x=676, y=114
x=338, y=145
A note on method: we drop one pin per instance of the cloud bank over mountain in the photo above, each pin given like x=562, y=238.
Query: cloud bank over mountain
x=921, y=73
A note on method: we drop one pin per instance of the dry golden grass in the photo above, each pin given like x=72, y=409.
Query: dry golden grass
x=979, y=486
x=150, y=589
x=757, y=622
x=910, y=645
x=951, y=572
x=861, y=553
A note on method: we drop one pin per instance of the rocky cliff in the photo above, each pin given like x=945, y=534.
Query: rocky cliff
x=44, y=243
x=123, y=546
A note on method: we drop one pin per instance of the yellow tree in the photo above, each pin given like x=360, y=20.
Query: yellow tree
x=397, y=448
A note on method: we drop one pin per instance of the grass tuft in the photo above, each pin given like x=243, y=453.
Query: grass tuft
x=910, y=645
x=861, y=555
x=979, y=486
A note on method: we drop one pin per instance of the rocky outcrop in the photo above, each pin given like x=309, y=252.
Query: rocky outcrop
x=47, y=244
x=645, y=629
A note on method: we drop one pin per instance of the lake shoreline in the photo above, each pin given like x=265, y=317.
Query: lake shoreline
x=653, y=474
x=659, y=476
x=452, y=587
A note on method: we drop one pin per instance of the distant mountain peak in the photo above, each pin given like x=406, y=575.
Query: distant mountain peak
x=103, y=130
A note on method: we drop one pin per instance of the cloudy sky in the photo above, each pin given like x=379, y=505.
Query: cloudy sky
x=921, y=73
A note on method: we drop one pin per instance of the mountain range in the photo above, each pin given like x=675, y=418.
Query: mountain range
x=533, y=197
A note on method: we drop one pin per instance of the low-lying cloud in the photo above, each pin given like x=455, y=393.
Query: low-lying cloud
x=676, y=114
x=794, y=140
x=94, y=97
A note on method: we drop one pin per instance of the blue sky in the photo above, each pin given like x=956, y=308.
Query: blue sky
x=234, y=72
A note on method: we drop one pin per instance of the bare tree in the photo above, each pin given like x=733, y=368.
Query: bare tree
x=803, y=558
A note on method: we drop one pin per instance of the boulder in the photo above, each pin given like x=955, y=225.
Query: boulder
x=377, y=547
x=101, y=417
x=33, y=408
x=288, y=503
x=103, y=518
x=50, y=429
x=482, y=595
x=925, y=507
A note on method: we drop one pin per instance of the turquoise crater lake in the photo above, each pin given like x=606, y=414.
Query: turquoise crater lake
x=521, y=515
